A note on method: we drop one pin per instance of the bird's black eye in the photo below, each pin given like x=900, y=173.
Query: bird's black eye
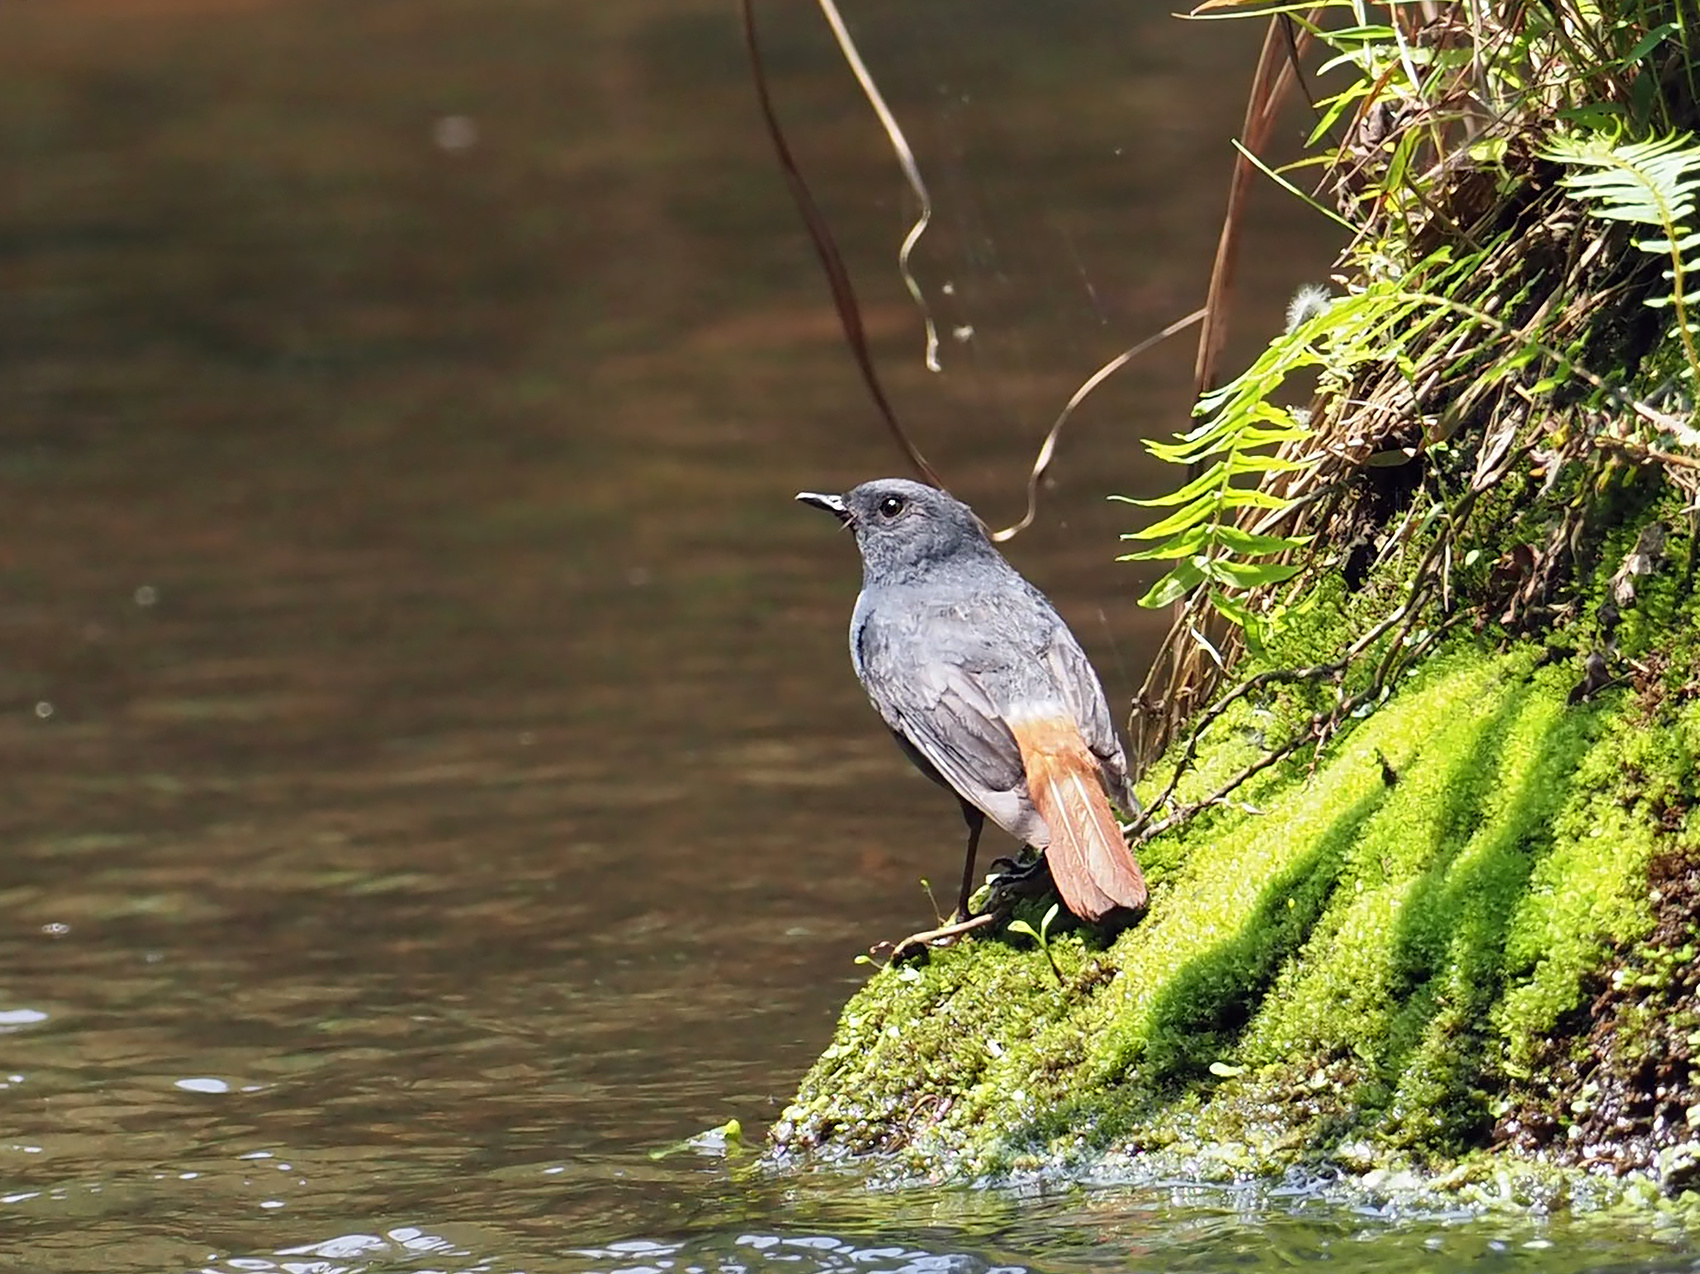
x=891, y=506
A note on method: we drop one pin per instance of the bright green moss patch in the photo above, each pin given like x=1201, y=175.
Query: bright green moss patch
x=1590, y=893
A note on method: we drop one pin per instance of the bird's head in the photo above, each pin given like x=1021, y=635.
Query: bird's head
x=902, y=526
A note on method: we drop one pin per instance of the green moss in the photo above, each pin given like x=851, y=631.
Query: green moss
x=1590, y=893
x=1346, y=919
x=1408, y=962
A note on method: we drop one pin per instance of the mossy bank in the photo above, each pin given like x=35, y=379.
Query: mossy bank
x=1414, y=949
x=1422, y=738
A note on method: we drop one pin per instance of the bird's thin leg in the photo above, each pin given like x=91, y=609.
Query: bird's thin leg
x=976, y=824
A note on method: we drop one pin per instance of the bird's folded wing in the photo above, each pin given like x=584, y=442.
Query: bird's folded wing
x=946, y=716
x=949, y=719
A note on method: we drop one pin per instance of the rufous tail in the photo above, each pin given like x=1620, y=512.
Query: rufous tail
x=1092, y=866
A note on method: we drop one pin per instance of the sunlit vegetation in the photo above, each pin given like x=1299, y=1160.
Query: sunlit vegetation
x=1421, y=742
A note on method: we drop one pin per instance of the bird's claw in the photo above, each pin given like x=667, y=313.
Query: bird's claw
x=1010, y=881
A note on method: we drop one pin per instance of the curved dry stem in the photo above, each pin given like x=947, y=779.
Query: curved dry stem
x=826, y=250
x=905, y=160
x=1047, y=449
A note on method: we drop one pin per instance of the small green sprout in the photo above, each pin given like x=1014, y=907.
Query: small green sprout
x=1041, y=935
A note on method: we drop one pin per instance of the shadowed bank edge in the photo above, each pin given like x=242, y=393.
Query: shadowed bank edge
x=1445, y=941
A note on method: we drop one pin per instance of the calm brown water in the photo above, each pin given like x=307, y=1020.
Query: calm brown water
x=434, y=776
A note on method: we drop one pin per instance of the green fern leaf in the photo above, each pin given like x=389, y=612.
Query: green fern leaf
x=1652, y=183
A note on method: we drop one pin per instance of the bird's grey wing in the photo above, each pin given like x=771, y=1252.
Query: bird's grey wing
x=942, y=711
x=1083, y=693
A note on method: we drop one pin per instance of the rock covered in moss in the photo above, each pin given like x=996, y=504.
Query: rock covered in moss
x=1437, y=941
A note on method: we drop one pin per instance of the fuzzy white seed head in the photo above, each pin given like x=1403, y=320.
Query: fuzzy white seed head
x=1309, y=301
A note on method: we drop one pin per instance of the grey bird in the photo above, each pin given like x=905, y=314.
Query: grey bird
x=987, y=691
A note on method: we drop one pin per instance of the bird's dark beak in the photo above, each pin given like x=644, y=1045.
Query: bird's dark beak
x=833, y=504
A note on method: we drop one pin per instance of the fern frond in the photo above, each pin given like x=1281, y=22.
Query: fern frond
x=1653, y=183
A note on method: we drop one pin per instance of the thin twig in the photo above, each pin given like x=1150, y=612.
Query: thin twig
x=1270, y=82
x=905, y=160
x=1314, y=733
x=1646, y=454
x=826, y=249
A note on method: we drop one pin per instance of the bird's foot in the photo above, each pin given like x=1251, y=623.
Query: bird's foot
x=1009, y=881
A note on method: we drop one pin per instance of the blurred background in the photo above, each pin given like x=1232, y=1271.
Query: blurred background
x=435, y=774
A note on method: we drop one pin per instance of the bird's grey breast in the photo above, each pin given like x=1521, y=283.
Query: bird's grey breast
x=906, y=630
x=858, y=627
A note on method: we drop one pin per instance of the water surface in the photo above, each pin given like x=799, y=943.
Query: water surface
x=436, y=780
